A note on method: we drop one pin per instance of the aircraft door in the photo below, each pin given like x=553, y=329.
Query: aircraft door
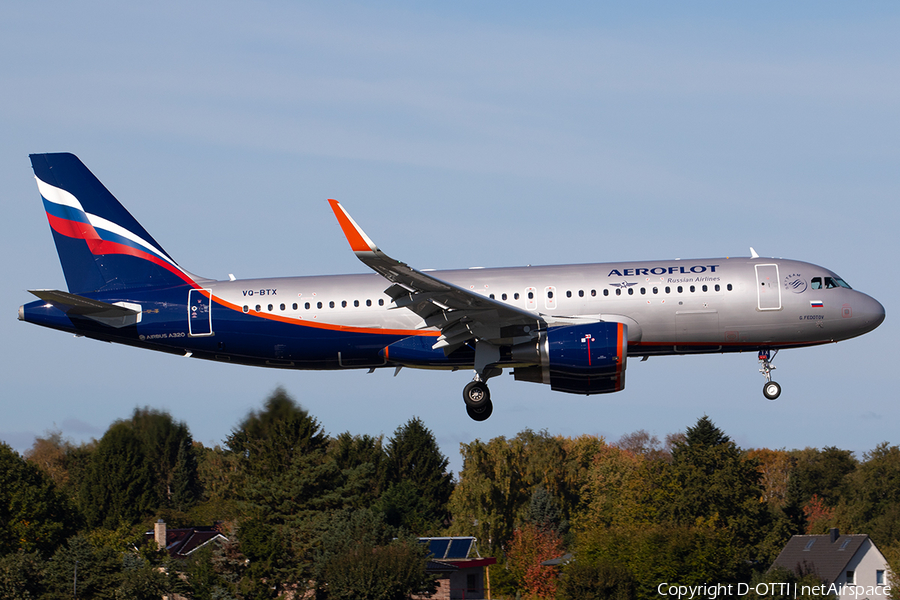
x=768, y=292
x=199, y=313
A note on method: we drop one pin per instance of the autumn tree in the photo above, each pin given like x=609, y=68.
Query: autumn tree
x=530, y=546
x=499, y=477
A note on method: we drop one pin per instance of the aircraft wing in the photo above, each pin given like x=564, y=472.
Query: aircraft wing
x=460, y=314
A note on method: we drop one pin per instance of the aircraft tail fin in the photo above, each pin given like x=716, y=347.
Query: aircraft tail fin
x=101, y=246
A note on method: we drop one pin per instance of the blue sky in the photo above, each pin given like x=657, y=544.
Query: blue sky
x=461, y=134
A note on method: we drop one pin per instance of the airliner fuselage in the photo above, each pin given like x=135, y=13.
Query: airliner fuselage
x=571, y=326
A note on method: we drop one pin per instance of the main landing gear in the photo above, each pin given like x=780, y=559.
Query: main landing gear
x=477, y=396
x=771, y=389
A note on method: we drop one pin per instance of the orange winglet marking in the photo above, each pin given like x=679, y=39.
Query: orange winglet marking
x=351, y=231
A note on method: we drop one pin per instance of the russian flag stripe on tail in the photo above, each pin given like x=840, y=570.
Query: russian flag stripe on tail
x=100, y=245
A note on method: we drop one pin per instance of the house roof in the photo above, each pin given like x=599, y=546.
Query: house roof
x=825, y=555
x=180, y=543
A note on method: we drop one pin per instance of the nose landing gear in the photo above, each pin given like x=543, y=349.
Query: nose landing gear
x=771, y=389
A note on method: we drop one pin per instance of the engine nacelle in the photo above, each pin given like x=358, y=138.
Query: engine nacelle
x=578, y=359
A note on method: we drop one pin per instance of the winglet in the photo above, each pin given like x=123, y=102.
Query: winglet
x=359, y=241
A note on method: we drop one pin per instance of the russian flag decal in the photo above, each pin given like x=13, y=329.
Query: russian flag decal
x=816, y=304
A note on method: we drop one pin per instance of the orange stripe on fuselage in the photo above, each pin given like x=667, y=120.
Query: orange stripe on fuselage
x=328, y=326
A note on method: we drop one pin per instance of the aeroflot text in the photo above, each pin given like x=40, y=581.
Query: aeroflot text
x=712, y=591
x=663, y=271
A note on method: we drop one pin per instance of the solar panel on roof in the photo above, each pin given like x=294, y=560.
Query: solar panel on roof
x=438, y=547
x=459, y=548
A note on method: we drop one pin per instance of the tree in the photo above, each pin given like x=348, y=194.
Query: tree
x=414, y=457
x=21, y=576
x=34, y=516
x=529, y=547
x=499, y=477
x=288, y=485
x=119, y=485
x=595, y=580
x=873, y=495
x=717, y=482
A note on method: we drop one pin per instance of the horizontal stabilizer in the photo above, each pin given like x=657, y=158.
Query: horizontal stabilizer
x=113, y=315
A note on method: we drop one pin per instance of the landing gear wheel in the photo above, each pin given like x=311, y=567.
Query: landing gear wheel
x=771, y=390
x=480, y=414
x=476, y=395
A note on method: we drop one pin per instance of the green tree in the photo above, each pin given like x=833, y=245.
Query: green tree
x=872, y=502
x=389, y=572
x=289, y=484
x=413, y=456
x=21, y=576
x=821, y=473
x=118, y=486
x=600, y=579
x=717, y=483
x=34, y=516
x=95, y=572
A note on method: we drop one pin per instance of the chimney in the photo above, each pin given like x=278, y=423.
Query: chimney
x=834, y=534
x=159, y=534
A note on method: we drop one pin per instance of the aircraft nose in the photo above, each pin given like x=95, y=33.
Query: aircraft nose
x=871, y=312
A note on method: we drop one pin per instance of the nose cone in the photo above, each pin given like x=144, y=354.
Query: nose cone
x=869, y=312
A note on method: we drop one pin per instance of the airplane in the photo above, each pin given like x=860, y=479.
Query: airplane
x=572, y=327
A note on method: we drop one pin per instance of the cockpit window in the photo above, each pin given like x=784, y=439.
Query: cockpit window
x=830, y=283
x=842, y=283
x=833, y=282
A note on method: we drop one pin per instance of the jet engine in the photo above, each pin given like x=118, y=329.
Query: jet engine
x=578, y=359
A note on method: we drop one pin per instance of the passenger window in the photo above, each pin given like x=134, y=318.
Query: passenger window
x=492, y=297
x=246, y=308
x=593, y=292
x=294, y=306
x=531, y=295
x=668, y=290
x=655, y=290
x=568, y=293
x=258, y=308
x=503, y=296
x=368, y=303
x=281, y=307
x=705, y=288
x=680, y=289
x=318, y=305
x=693, y=289
x=331, y=304
x=618, y=291
x=728, y=287
x=343, y=304
x=643, y=291
x=549, y=294
x=516, y=296
x=581, y=293
x=381, y=302
x=270, y=308
x=718, y=288
x=306, y=306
